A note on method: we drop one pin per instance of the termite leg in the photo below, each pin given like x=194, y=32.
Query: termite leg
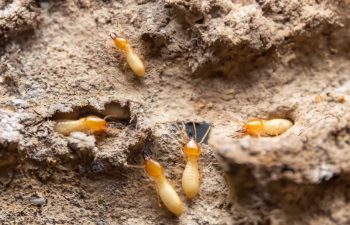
x=184, y=140
x=241, y=135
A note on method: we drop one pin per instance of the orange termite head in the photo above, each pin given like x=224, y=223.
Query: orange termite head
x=341, y=99
x=120, y=43
x=253, y=127
x=192, y=149
x=95, y=124
x=153, y=168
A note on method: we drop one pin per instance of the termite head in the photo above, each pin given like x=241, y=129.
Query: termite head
x=95, y=124
x=153, y=168
x=192, y=149
x=120, y=43
x=253, y=127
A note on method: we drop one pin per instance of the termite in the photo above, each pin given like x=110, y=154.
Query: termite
x=167, y=193
x=89, y=124
x=271, y=127
x=132, y=58
x=192, y=151
x=319, y=99
x=341, y=99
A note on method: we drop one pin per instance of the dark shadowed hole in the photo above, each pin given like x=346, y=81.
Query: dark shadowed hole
x=216, y=11
x=200, y=21
x=77, y=113
x=141, y=150
x=201, y=130
x=217, y=73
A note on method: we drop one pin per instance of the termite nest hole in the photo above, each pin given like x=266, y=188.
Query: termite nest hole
x=116, y=118
x=188, y=17
x=242, y=183
x=154, y=42
x=282, y=112
x=279, y=112
x=8, y=161
x=234, y=61
x=7, y=146
x=9, y=156
x=115, y=113
x=245, y=189
x=341, y=137
x=218, y=11
x=142, y=149
x=8, y=164
x=192, y=128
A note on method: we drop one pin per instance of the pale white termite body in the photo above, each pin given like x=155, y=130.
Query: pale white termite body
x=272, y=127
x=135, y=63
x=191, y=178
x=90, y=124
x=166, y=192
x=132, y=58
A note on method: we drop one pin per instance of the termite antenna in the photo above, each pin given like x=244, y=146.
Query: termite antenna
x=177, y=127
x=113, y=35
x=205, y=135
x=126, y=164
x=242, y=132
x=195, y=130
x=116, y=125
x=190, y=135
x=239, y=122
x=146, y=155
x=182, y=131
x=108, y=117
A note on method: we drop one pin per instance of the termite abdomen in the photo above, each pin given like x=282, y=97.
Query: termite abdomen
x=272, y=127
x=166, y=192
